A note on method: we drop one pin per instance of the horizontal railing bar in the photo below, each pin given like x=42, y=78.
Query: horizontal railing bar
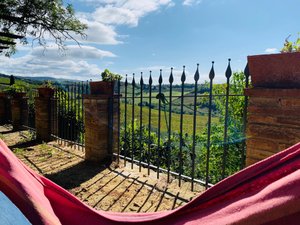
x=164, y=170
x=74, y=143
x=178, y=96
x=30, y=128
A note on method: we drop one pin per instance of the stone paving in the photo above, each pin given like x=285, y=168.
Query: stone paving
x=113, y=187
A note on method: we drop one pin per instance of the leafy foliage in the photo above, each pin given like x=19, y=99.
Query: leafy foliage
x=109, y=76
x=40, y=19
x=290, y=46
x=47, y=84
x=15, y=88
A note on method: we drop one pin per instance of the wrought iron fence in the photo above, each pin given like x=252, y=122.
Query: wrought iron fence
x=192, y=131
x=68, y=113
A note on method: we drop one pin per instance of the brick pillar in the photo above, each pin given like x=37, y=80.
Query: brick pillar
x=3, y=109
x=101, y=127
x=19, y=112
x=273, y=121
x=45, y=110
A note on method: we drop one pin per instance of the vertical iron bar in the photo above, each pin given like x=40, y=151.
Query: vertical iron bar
x=77, y=100
x=211, y=77
x=171, y=79
x=75, y=112
x=125, y=123
x=59, y=114
x=119, y=120
x=64, y=119
x=132, y=123
x=141, y=120
x=247, y=75
x=75, y=129
x=196, y=78
x=225, y=140
x=87, y=91
x=56, y=113
x=159, y=124
x=71, y=115
x=183, y=77
x=149, y=122
x=68, y=115
x=78, y=114
x=81, y=114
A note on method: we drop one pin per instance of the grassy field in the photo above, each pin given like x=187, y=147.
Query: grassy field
x=4, y=82
x=187, y=119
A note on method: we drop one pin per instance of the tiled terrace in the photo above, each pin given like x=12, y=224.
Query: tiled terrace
x=110, y=188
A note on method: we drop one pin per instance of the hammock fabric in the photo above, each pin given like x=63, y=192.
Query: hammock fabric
x=265, y=193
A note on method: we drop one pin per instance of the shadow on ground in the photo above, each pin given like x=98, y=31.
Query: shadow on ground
x=75, y=175
x=115, y=187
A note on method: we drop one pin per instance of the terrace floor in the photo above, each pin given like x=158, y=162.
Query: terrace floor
x=111, y=188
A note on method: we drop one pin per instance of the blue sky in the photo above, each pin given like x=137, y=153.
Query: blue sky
x=133, y=36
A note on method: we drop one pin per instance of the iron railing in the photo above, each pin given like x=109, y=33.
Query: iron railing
x=194, y=132
x=68, y=113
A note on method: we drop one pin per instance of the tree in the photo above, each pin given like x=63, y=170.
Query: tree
x=11, y=80
x=39, y=19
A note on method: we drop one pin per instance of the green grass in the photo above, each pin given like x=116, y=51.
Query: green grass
x=187, y=119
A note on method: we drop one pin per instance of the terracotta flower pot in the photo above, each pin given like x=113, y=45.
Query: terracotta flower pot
x=46, y=92
x=275, y=70
x=102, y=87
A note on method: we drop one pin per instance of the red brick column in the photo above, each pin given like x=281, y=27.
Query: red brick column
x=3, y=109
x=19, y=112
x=101, y=127
x=273, y=121
x=45, y=117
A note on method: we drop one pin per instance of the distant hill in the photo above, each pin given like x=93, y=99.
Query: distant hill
x=38, y=80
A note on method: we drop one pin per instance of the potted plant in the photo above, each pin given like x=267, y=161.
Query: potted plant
x=14, y=91
x=106, y=86
x=46, y=90
x=280, y=70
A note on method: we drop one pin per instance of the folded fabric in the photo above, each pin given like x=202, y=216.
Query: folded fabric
x=265, y=193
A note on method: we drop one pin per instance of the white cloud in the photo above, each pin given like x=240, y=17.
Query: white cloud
x=116, y=16
x=74, y=52
x=109, y=14
x=72, y=64
x=100, y=33
x=271, y=50
x=191, y=2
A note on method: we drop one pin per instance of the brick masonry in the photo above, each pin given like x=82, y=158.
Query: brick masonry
x=98, y=144
x=19, y=112
x=273, y=122
x=44, y=118
x=3, y=118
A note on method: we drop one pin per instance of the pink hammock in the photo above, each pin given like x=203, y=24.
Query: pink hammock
x=265, y=193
